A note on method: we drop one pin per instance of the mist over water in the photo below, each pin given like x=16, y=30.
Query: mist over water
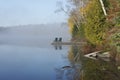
x=34, y=35
x=26, y=52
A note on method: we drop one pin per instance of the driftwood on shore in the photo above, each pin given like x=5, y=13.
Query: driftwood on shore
x=99, y=55
x=92, y=55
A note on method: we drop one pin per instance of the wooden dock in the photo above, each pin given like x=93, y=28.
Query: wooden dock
x=68, y=43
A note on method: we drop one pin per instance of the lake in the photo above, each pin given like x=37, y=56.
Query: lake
x=31, y=63
x=26, y=53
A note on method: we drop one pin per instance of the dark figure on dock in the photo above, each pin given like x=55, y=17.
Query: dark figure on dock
x=56, y=39
x=60, y=39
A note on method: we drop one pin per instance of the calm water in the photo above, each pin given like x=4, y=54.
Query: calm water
x=31, y=63
x=27, y=54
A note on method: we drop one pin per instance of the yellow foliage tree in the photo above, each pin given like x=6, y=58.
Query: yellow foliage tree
x=94, y=22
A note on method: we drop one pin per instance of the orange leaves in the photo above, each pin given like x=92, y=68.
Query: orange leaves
x=114, y=10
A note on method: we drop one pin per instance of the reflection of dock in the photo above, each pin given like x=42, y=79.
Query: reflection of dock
x=68, y=43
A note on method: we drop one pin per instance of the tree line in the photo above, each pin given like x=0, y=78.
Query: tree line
x=87, y=21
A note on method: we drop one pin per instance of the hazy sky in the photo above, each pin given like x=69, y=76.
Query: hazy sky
x=22, y=12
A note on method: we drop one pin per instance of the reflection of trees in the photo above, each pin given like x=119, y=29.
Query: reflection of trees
x=67, y=73
x=75, y=56
x=92, y=69
x=82, y=68
x=100, y=70
x=70, y=72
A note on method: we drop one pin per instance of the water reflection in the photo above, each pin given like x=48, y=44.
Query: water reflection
x=26, y=52
x=58, y=47
x=71, y=71
x=64, y=74
x=82, y=68
x=67, y=73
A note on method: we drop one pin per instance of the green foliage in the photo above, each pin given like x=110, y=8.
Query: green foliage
x=106, y=3
x=95, y=25
x=78, y=32
x=118, y=20
x=116, y=37
x=75, y=31
x=116, y=41
x=81, y=31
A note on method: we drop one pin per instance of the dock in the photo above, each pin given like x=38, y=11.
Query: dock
x=58, y=41
x=68, y=43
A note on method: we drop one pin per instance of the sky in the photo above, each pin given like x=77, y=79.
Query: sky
x=23, y=12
